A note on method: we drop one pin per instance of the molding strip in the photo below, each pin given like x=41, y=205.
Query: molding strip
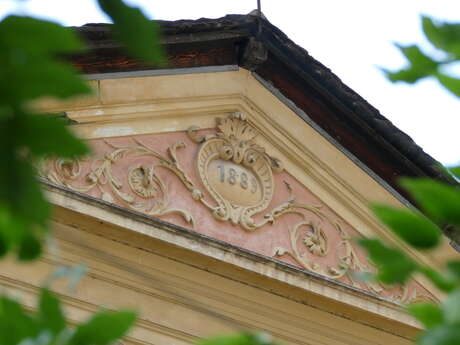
x=157, y=72
x=222, y=251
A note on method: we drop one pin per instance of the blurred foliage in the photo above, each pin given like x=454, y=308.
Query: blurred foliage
x=243, y=338
x=47, y=326
x=32, y=53
x=31, y=68
x=32, y=59
x=445, y=40
x=131, y=28
x=439, y=202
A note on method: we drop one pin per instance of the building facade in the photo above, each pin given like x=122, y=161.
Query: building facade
x=226, y=191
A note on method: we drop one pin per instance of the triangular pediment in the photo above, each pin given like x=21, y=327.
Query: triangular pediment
x=220, y=154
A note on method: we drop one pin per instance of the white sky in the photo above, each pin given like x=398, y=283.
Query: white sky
x=350, y=37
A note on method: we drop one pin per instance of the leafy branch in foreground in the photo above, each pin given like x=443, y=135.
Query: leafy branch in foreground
x=31, y=69
x=48, y=325
x=440, y=202
x=243, y=338
x=31, y=52
x=445, y=39
x=32, y=56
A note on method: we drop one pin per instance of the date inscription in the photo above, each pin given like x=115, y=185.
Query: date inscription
x=236, y=176
x=234, y=182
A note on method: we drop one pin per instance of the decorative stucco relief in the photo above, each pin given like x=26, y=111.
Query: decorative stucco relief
x=223, y=184
x=142, y=179
x=236, y=172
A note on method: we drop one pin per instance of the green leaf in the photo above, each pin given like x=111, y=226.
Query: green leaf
x=135, y=31
x=413, y=228
x=30, y=248
x=444, y=36
x=429, y=315
x=453, y=267
x=29, y=201
x=15, y=324
x=450, y=83
x=20, y=190
x=239, y=339
x=442, y=282
x=451, y=308
x=420, y=65
x=40, y=77
x=441, y=335
x=43, y=338
x=103, y=328
x=18, y=232
x=418, y=59
x=6, y=229
x=31, y=67
x=48, y=135
x=455, y=170
x=23, y=221
x=38, y=36
x=50, y=313
x=25, y=211
x=4, y=244
x=439, y=200
x=244, y=338
x=394, y=266
x=407, y=75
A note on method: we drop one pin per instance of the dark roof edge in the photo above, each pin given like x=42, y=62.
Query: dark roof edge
x=356, y=106
x=324, y=80
x=99, y=34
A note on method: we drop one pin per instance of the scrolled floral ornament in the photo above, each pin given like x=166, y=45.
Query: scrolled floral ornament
x=238, y=184
x=141, y=180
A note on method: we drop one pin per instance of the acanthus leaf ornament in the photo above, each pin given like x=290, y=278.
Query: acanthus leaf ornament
x=143, y=181
x=237, y=172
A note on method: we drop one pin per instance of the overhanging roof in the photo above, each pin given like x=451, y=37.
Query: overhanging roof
x=255, y=44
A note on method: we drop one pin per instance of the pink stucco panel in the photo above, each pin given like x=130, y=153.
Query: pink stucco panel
x=262, y=241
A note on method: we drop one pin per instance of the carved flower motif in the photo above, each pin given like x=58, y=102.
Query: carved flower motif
x=336, y=272
x=197, y=194
x=68, y=168
x=140, y=181
x=91, y=177
x=316, y=241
